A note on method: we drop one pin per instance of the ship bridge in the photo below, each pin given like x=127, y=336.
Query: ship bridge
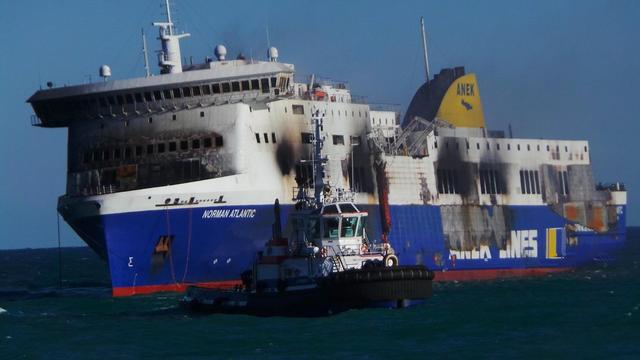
x=211, y=83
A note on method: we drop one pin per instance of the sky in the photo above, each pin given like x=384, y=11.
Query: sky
x=550, y=69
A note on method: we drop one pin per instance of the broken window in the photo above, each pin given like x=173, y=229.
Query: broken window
x=307, y=138
x=235, y=86
x=338, y=140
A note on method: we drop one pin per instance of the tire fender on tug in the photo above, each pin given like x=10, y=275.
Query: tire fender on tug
x=390, y=260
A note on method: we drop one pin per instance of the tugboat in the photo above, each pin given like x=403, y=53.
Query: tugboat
x=329, y=265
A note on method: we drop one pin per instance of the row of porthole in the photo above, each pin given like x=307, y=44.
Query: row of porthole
x=497, y=147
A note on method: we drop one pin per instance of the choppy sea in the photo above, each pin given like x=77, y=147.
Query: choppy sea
x=591, y=312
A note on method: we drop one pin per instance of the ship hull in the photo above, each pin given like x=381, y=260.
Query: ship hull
x=169, y=249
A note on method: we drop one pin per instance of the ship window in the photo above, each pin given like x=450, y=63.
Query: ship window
x=566, y=149
x=150, y=120
x=466, y=141
x=266, y=138
x=297, y=109
x=498, y=147
x=331, y=225
x=120, y=99
x=95, y=156
x=116, y=154
x=274, y=82
x=245, y=85
x=355, y=140
x=215, y=88
x=435, y=144
x=349, y=226
x=138, y=151
x=149, y=149
x=157, y=95
x=176, y=93
x=538, y=147
x=206, y=89
x=361, y=225
x=195, y=90
x=548, y=148
x=172, y=146
x=508, y=146
x=488, y=148
x=174, y=117
x=138, y=97
x=478, y=146
x=219, y=141
x=518, y=147
x=186, y=91
x=585, y=149
x=111, y=100
x=225, y=87
x=195, y=144
x=129, y=98
x=255, y=84
x=201, y=113
x=491, y=183
x=307, y=138
x=103, y=102
x=105, y=154
x=127, y=153
x=447, y=181
x=338, y=140
x=557, y=148
x=86, y=157
x=161, y=148
x=563, y=178
x=167, y=94
x=235, y=86
x=258, y=138
x=147, y=97
x=206, y=142
x=273, y=137
x=184, y=145
x=264, y=82
x=536, y=181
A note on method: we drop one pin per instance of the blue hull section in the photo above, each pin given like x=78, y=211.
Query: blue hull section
x=208, y=245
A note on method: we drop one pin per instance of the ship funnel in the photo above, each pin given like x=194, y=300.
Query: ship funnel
x=105, y=72
x=220, y=52
x=273, y=54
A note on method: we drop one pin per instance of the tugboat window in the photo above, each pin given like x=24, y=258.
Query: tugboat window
x=349, y=226
x=255, y=84
x=331, y=226
x=245, y=85
x=265, y=85
x=216, y=88
x=226, y=88
x=235, y=86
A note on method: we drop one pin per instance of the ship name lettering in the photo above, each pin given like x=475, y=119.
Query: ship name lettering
x=229, y=213
x=476, y=254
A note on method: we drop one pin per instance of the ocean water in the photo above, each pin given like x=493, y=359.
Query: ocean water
x=592, y=312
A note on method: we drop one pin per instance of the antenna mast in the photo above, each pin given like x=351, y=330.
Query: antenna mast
x=146, y=55
x=169, y=58
x=424, y=47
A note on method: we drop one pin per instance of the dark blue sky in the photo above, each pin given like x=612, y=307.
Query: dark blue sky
x=551, y=69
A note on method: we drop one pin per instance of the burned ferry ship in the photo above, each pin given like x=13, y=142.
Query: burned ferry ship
x=171, y=177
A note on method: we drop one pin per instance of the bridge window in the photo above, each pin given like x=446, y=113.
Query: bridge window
x=138, y=97
x=235, y=86
x=195, y=90
x=161, y=148
x=120, y=99
x=206, y=89
x=264, y=82
x=157, y=95
x=148, y=97
x=215, y=88
x=307, y=138
x=245, y=85
x=447, y=181
x=274, y=82
x=349, y=226
x=338, y=140
x=167, y=94
x=172, y=146
x=226, y=87
x=176, y=93
x=184, y=145
x=186, y=91
x=255, y=84
x=331, y=226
